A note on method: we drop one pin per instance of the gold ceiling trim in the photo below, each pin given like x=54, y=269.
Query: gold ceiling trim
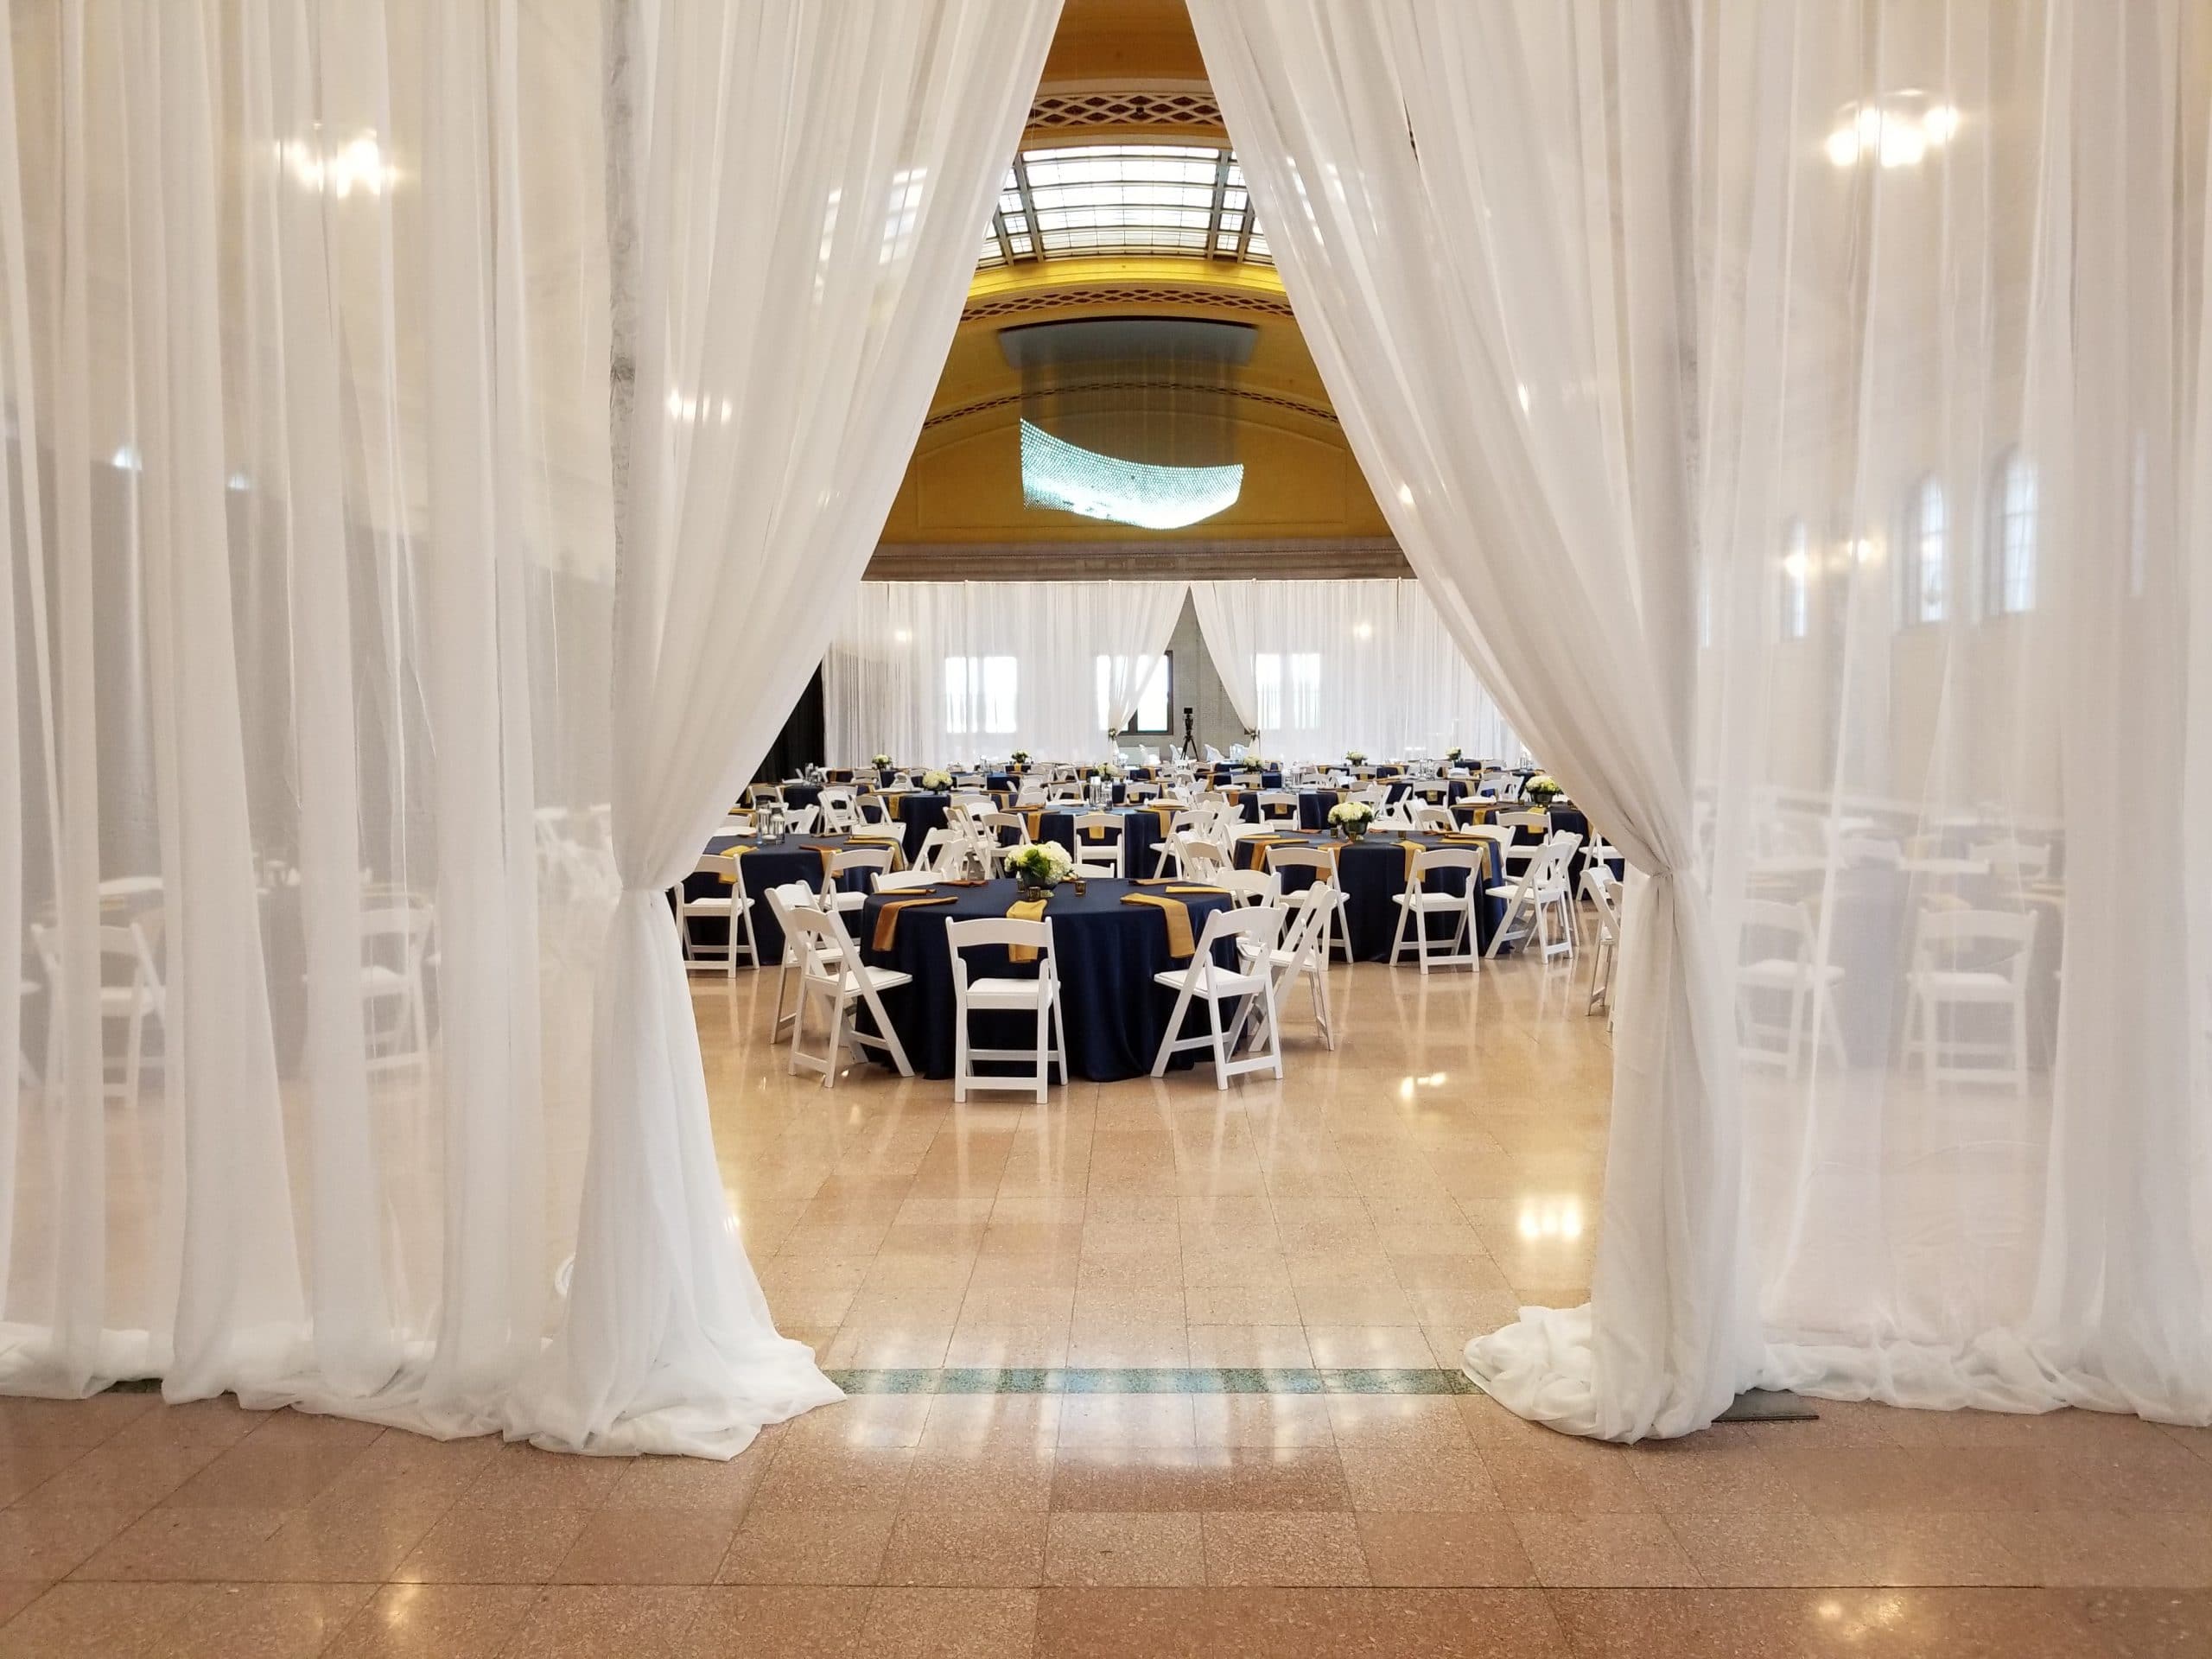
x=1020, y=302
x=1312, y=411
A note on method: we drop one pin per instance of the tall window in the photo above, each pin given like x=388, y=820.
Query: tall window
x=1926, y=568
x=1288, y=685
x=1153, y=696
x=980, y=695
x=2012, y=535
x=1797, y=582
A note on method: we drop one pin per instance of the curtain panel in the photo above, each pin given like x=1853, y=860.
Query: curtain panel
x=1796, y=412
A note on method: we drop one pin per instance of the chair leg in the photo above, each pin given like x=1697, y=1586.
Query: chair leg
x=959, y=1052
x=1220, y=1058
x=1274, y=1027
x=833, y=1051
x=1044, y=1048
x=1174, y=1026
x=131, y=1062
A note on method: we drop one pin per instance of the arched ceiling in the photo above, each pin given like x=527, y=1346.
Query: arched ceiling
x=1094, y=226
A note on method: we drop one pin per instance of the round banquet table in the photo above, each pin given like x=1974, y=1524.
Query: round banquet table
x=1270, y=777
x=1314, y=804
x=1107, y=953
x=1372, y=873
x=770, y=864
x=1569, y=818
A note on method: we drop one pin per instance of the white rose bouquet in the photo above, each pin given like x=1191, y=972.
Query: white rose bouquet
x=1542, y=788
x=1357, y=757
x=936, y=780
x=881, y=762
x=1042, y=864
x=1350, y=819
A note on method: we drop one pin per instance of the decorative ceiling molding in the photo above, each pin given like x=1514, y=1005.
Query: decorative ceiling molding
x=1134, y=558
x=1168, y=106
x=1311, y=410
x=1022, y=302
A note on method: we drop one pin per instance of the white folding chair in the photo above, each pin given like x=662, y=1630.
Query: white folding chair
x=1419, y=903
x=1247, y=887
x=939, y=841
x=1165, y=852
x=1278, y=806
x=1200, y=859
x=904, y=880
x=870, y=809
x=874, y=859
x=1322, y=861
x=1538, y=899
x=1971, y=959
x=832, y=974
x=1007, y=994
x=782, y=901
x=1779, y=941
x=1304, y=953
x=728, y=904
x=395, y=940
x=1599, y=887
x=991, y=829
x=136, y=996
x=1108, y=854
x=799, y=820
x=835, y=805
x=1141, y=791
x=1432, y=820
x=1519, y=854
x=2012, y=860
x=1250, y=988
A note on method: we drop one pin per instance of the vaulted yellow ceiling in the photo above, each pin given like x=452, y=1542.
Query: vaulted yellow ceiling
x=1128, y=72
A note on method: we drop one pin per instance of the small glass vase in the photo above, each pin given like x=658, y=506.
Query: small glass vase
x=1028, y=894
x=1352, y=832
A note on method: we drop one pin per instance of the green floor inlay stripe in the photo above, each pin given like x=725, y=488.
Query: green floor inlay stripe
x=1181, y=1379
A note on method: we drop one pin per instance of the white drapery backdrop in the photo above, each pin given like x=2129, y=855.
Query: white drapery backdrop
x=1321, y=667
x=309, y=639
x=1802, y=405
x=941, y=673
x=309, y=577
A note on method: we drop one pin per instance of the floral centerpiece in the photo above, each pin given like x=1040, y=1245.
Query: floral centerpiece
x=936, y=780
x=1357, y=757
x=1542, y=788
x=880, y=762
x=1040, y=867
x=1455, y=756
x=1350, y=819
x=1110, y=772
x=1021, y=756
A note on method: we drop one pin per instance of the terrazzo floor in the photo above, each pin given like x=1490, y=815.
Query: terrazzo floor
x=1153, y=1369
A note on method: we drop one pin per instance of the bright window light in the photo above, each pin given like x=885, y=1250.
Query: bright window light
x=1057, y=474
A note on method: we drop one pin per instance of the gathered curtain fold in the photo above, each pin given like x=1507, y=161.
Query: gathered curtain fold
x=1227, y=619
x=812, y=175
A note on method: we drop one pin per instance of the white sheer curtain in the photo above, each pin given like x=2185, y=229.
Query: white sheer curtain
x=306, y=624
x=940, y=673
x=1329, y=666
x=812, y=176
x=1837, y=390
x=1420, y=166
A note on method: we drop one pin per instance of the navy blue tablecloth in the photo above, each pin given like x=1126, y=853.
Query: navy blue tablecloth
x=1568, y=818
x=1270, y=777
x=1107, y=953
x=1372, y=873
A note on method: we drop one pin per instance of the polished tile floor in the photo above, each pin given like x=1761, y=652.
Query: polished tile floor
x=1358, y=1221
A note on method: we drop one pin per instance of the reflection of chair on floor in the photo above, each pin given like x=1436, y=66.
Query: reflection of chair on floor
x=1038, y=997
x=394, y=940
x=1778, y=940
x=1965, y=959
x=130, y=988
x=25, y=1074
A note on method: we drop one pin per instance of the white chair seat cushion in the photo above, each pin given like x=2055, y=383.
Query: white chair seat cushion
x=707, y=907
x=1782, y=973
x=1005, y=992
x=880, y=979
x=1964, y=985
x=847, y=900
x=375, y=977
x=1432, y=900
x=1220, y=983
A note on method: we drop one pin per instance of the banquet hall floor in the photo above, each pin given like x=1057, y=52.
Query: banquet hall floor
x=1304, y=1260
